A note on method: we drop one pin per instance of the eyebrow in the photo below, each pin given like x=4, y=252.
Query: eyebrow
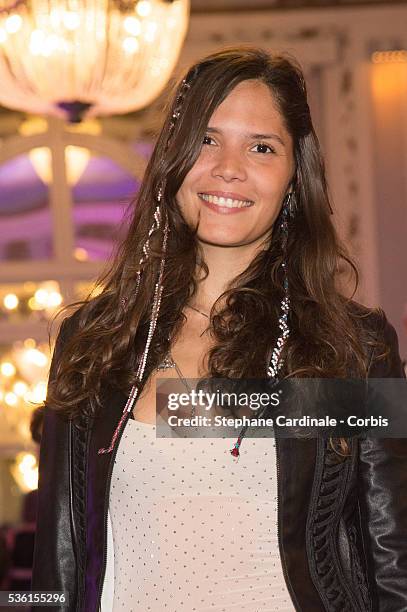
x=213, y=130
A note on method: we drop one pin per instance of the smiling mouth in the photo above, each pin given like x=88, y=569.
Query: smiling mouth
x=226, y=202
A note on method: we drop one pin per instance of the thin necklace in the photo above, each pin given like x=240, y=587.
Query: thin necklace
x=197, y=310
x=203, y=314
x=169, y=362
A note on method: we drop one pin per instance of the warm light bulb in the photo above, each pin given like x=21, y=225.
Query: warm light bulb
x=54, y=299
x=11, y=399
x=76, y=159
x=10, y=301
x=7, y=369
x=25, y=471
x=132, y=25
x=36, y=42
x=20, y=388
x=383, y=57
x=36, y=357
x=51, y=44
x=13, y=23
x=81, y=254
x=46, y=296
x=130, y=45
x=71, y=20
x=27, y=462
x=143, y=8
x=41, y=297
x=39, y=393
x=33, y=304
x=40, y=157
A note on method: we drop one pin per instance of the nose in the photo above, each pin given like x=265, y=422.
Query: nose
x=229, y=165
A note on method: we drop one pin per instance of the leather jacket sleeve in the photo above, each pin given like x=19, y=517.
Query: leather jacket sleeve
x=383, y=496
x=54, y=567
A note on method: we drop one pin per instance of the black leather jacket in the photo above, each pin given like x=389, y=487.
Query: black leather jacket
x=342, y=526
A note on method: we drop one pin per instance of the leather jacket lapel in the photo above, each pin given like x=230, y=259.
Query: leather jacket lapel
x=296, y=474
x=98, y=473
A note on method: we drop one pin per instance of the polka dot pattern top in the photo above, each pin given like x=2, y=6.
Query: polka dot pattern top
x=192, y=529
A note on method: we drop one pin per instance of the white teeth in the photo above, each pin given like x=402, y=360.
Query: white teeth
x=228, y=202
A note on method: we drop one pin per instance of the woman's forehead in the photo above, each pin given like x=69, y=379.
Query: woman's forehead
x=250, y=108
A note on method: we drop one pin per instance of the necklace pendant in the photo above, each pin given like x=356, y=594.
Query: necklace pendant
x=166, y=364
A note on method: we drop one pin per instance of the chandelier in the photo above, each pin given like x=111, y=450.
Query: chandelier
x=72, y=58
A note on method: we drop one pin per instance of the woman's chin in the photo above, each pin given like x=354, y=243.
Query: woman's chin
x=222, y=240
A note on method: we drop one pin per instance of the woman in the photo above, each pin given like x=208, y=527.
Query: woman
x=229, y=269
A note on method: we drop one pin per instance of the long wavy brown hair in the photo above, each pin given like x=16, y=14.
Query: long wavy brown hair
x=111, y=329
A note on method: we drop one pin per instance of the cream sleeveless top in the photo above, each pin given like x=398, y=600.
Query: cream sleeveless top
x=191, y=529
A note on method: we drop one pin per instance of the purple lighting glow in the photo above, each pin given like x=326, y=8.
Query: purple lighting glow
x=99, y=199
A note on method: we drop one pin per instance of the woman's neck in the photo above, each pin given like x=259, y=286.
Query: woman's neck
x=224, y=264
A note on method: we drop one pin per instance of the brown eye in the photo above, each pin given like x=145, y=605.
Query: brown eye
x=263, y=148
x=207, y=140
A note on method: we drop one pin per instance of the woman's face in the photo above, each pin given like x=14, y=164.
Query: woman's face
x=243, y=172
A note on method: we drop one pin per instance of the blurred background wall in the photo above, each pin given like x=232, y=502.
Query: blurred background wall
x=65, y=186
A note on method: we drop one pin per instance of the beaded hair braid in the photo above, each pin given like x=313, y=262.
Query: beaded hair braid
x=179, y=101
x=276, y=362
x=157, y=222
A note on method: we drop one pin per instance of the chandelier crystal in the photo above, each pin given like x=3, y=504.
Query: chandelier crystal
x=72, y=58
